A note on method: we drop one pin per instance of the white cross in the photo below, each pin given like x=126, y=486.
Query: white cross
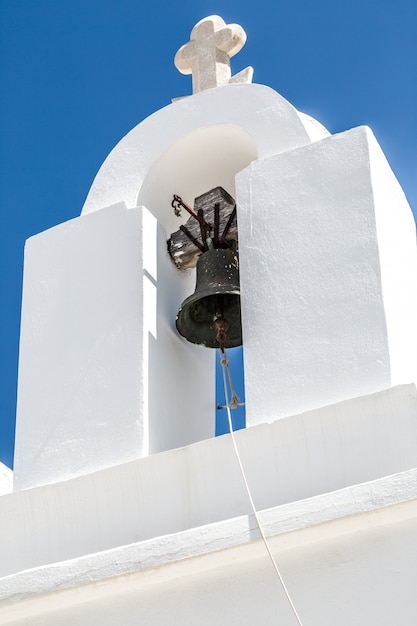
x=207, y=55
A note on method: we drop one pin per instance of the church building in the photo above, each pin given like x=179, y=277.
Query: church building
x=226, y=218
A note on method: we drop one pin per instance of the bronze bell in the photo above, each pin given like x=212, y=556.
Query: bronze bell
x=213, y=310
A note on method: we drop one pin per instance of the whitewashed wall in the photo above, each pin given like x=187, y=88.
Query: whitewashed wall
x=293, y=459
x=357, y=570
x=328, y=271
x=96, y=388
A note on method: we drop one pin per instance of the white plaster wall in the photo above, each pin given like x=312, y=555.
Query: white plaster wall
x=251, y=118
x=6, y=479
x=396, y=232
x=315, y=129
x=360, y=576
x=205, y=158
x=293, y=459
x=95, y=386
x=326, y=306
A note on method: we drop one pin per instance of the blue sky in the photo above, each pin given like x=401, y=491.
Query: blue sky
x=77, y=75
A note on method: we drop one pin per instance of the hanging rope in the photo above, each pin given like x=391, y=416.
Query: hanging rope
x=234, y=403
x=227, y=374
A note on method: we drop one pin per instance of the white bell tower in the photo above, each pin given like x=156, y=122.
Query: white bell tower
x=126, y=508
x=104, y=377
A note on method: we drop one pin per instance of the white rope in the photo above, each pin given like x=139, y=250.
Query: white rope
x=225, y=363
x=235, y=400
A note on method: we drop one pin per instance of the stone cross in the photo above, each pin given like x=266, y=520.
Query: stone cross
x=207, y=55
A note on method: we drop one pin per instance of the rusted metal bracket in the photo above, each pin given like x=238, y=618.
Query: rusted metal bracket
x=178, y=202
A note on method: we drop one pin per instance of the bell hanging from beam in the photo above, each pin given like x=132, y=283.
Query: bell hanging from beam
x=210, y=317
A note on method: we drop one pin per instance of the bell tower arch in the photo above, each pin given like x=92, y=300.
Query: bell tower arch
x=201, y=159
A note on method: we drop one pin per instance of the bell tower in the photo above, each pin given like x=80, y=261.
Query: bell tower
x=104, y=376
x=326, y=275
x=126, y=508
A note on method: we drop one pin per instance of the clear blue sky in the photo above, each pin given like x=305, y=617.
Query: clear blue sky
x=77, y=75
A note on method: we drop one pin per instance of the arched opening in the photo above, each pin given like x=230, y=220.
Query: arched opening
x=202, y=159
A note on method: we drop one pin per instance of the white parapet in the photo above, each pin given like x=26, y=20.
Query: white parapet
x=290, y=460
x=100, y=360
x=343, y=556
x=328, y=271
